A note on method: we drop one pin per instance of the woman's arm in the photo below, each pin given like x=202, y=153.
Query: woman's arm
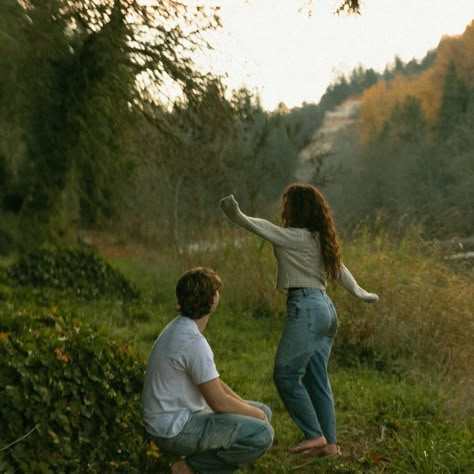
x=347, y=281
x=275, y=234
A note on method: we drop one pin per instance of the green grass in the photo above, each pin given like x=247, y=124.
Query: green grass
x=400, y=371
x=386, y=423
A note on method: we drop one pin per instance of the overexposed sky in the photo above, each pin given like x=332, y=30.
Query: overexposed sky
x=285, y=55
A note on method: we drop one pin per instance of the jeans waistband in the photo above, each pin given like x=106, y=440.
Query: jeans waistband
x=305, y=291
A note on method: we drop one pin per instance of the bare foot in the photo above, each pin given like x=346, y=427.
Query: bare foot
x=324, y=451
x=307, y=444
x=180, y=467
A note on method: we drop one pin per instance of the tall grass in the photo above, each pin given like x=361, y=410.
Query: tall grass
x=424, y=322
x=421, y=327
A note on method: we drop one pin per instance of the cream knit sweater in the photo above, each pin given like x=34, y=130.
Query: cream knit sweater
x=297, y=253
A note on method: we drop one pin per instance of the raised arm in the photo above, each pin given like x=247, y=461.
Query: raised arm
x=261, y=227
x=347, y=281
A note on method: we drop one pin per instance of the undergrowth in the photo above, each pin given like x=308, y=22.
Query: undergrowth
x=69, y=396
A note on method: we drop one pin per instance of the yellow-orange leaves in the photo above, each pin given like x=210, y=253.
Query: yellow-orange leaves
x=378, y=102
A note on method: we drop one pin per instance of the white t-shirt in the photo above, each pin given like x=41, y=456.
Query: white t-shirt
x=180, y=359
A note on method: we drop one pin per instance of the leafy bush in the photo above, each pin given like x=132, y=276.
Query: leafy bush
x=81, y=271
x=74, y=391
x=8, y=243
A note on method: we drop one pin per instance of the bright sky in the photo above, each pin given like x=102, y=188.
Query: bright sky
x=285, y=55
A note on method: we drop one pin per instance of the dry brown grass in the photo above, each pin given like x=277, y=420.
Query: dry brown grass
x=425, y=316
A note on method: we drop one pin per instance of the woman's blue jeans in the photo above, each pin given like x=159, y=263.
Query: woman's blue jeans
x=300, y=372
x=221, y=443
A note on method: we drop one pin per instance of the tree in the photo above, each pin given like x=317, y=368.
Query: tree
x=407, y=122
x=205, y=125
x=178, y=175
x=454, y=103
x=85, y=70
x=344, y=6
x=263, y=155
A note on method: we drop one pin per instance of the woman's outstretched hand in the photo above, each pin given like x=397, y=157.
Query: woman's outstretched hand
x=228, y=203
x=369, y=297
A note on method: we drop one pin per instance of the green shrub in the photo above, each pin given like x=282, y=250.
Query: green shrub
x=74, y=391
x=78, y=270
x=8, y=243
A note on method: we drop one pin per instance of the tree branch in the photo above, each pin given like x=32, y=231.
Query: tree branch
x=19, y=439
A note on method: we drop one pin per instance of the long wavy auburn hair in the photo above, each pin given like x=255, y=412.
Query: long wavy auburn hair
x=303, y=206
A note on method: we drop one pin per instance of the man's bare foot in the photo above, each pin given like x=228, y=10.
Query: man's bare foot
x=307, y=444
x=324, y=451
x=180, y=467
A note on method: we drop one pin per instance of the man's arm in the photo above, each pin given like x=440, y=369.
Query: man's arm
x=222, y=399
x=228, y=391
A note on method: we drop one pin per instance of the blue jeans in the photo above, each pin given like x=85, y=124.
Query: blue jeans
x=221, y=442
x=300, y=372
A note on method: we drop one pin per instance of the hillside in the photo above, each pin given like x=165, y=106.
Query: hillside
x=400, y=153
x=336, y=132
x=455, y=53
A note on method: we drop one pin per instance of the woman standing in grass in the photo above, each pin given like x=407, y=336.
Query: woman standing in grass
x=308, y=254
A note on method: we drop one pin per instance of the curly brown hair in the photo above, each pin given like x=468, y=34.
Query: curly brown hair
x=195, y=292
x=303, y=206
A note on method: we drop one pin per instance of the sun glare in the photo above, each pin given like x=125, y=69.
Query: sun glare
x=286, y=55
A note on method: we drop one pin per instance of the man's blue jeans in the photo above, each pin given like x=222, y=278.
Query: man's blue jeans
x=300, y=372
x=221, y=442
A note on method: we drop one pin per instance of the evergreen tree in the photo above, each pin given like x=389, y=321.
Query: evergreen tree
x=454, y=103
x=407, y=122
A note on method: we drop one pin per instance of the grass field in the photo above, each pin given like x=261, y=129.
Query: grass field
x=401, y=370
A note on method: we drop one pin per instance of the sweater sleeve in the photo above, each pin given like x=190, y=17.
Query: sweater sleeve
x=348, y=282
x=275, y=234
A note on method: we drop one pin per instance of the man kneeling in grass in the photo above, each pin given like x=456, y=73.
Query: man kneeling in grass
x=188, y=410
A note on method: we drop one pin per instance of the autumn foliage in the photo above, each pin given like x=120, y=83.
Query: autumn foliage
x=379, y=102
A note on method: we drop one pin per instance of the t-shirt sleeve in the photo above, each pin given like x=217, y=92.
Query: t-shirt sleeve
x=200, y=363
